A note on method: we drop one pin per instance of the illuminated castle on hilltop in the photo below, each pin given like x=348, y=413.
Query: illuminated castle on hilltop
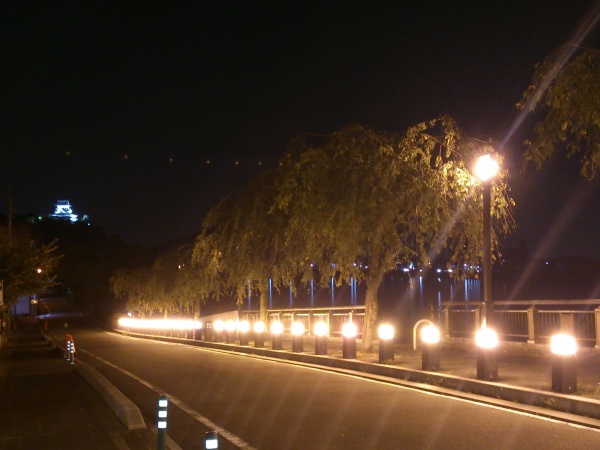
x=63, y=210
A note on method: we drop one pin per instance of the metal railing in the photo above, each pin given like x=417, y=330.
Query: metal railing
x=334, y=316
x=533, y=321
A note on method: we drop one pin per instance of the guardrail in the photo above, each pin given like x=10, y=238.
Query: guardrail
x=533, y=321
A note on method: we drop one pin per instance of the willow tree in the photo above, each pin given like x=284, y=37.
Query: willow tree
x=359, y=202
x=249, y=235
x=565, y=94
x=132, y=287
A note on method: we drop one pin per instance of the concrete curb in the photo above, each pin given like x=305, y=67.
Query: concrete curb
x=520, y=395
x=124, y=408
x=127, y=412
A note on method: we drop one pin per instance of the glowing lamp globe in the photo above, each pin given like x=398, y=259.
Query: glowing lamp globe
x=219, y=325
x=563, y=344
x=385, y=332
x=297, y=328
x=430, y=334
x=321, y=329
x=244, y=326
x=230, y=325
x=349, y=330
x=259, y=327
x=277, y=327
x=486, y=168
x=486, y=338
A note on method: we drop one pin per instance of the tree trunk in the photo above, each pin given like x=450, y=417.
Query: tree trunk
x=371, y=307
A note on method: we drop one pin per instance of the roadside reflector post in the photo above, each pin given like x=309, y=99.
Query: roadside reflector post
x=67, y=347
x=163, y=403
x=211, y=440
x=72, y=351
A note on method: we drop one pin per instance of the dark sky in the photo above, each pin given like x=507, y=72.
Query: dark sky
x=118, y=107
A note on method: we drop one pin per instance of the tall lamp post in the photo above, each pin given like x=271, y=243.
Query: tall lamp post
x=486, y=169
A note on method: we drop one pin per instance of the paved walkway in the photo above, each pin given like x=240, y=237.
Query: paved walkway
x=46, y=404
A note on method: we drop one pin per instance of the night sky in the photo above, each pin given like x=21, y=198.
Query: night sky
x=145, y=114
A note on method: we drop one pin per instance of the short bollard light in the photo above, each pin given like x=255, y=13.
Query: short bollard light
x=349, y=340
x=321, y=330
x=386, y=342
x=243, y=330
x=298, y=337
x=219, y=328
x=487, y=361
x=259, y=334
x=430, y=337
x=230, y=331
x=211, y=440
x=277, y=335
x=564, y=363
x=163, y=403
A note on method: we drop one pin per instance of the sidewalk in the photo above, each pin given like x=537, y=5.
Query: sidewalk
x=46, y=404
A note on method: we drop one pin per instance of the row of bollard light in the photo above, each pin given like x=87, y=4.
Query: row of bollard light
x=563, y=347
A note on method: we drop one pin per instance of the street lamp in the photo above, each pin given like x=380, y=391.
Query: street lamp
x=486, y=169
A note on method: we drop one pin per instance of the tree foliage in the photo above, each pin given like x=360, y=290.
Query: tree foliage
x=566, y=94
x=361, y=202
x=26, y=266
x=173, y=284
x=249, y=237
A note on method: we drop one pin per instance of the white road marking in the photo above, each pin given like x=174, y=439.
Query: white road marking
x=235, y=440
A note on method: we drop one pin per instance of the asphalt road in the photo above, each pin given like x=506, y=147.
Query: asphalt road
x=265, y=404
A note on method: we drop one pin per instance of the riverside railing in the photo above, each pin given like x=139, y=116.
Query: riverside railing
x=532, y=321
x=334, y=316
